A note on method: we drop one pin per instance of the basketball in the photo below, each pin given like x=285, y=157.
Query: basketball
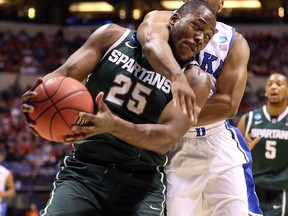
x=57, y=105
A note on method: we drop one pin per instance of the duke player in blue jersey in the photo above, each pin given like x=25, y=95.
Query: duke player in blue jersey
x=209, y=171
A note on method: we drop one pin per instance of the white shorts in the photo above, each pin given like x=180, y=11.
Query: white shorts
x=205, y=176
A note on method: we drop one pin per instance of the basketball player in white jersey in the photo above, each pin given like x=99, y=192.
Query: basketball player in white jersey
x=7, y=188
x=209, y=172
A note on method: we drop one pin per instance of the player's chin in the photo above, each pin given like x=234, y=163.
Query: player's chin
x=186, y=57
x=274, y=98
x=186, y=54
x=274, y=102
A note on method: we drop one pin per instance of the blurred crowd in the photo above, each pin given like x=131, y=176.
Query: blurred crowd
x=42, y=53
x=29, y=55
x=16, y=139
x=28, y=156
x=267, y=54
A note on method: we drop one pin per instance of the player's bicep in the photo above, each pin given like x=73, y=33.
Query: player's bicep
x=237, y=59
x=233, y=77
x=82, y=62
x=154, y=26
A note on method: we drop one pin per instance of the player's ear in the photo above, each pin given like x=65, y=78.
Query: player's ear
x=174, y=19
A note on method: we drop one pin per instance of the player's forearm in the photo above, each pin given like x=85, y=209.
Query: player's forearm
x=153, y=38
x=8, y=193
x=161, y=58
x=217, y=108
x=154, y=137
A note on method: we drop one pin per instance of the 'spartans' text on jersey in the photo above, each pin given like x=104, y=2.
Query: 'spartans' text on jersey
x=270, y=133
x=131, y=65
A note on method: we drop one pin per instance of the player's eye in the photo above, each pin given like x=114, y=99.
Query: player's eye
x=195, y=27
x=208, y=37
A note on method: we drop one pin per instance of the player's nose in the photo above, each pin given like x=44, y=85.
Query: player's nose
x=199, y=38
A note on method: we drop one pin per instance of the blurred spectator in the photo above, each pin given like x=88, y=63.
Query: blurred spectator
x=7, y=186
x=267, y=54
x=33, y=210
x=28, y=66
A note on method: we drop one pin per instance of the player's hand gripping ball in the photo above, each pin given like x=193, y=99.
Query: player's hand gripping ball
x=57, y=105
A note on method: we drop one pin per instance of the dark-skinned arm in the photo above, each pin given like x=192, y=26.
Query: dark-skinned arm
x=230, y=85
x=80, y=64
x=171, y=126
x=242, y=127
x=153, y=37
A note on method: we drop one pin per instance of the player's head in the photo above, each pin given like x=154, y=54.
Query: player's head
x=276, y=90
x=215, y=4
x=191, y=28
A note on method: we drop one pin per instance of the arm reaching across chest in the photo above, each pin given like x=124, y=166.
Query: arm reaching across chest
x=171, y=126
x=153, y=35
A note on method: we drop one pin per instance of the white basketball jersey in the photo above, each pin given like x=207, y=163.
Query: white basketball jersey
x=4, y=172
x=212, y=57
x=211, y=60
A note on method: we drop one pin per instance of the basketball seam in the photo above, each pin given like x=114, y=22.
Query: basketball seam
x=50, y=128
x=59, y=110
x=49, y=98
x=54, y=103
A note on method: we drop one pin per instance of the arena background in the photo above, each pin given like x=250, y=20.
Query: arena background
x=36, y=36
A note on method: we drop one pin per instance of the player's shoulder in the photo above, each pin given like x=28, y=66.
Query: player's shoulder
x=220, y=26
x=107, y=34
x=158, y=15
x=111, y=27
x=239, y=38
x=159, y=12
x=240, y=45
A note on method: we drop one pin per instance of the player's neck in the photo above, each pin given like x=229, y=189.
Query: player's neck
x=276, y=110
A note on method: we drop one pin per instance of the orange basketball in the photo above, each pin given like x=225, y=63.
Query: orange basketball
x=57, y=105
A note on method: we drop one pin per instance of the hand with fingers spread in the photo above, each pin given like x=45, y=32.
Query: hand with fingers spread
x=100, y=123
x=26, y=108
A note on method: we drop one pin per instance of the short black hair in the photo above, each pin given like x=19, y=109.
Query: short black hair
x=190, y=6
